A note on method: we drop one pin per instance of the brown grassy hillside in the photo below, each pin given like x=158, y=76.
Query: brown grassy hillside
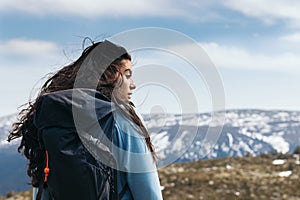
x=227, y=178
x=232, y=178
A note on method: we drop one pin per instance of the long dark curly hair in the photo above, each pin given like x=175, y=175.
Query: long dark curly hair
x=62, y=80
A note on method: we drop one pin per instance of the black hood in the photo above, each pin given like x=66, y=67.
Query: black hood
x=62, y=108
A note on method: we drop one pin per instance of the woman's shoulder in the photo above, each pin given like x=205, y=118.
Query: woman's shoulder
x=126, y=134
x=125, y=124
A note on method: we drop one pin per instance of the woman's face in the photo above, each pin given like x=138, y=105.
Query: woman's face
x=124, y=92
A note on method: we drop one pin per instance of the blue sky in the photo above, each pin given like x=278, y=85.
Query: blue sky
x=255, y=45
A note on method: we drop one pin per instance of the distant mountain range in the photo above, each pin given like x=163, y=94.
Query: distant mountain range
x=244, y=132
x=12, y=164
x=181, y=138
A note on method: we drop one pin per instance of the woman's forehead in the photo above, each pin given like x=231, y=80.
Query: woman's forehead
x=126, y=65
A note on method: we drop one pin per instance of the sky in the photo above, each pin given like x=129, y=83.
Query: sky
x=253, y=45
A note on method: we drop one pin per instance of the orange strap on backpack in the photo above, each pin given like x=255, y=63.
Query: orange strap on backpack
x=46, y=169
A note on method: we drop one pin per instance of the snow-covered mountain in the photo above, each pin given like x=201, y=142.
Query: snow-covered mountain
x=5, y=125
x=244, y=131
x=12, y=164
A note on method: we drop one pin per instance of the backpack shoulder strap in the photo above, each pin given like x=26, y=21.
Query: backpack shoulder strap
x=125, y=187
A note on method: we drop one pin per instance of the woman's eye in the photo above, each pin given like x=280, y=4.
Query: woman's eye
x=128, y=75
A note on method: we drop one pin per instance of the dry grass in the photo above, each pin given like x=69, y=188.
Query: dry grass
x=27, y=195
x=231, y=178
x=228, y=178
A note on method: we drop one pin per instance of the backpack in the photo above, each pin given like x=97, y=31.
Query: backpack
x=78, y=161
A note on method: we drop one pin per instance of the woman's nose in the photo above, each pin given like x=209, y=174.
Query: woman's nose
x=132, y=85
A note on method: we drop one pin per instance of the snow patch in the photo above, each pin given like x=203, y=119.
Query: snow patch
x=285, y=173
x=278, y=162
x=230, y=139
x=160, y=142
x=278, y=143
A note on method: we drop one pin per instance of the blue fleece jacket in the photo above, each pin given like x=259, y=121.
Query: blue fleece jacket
x=137, y=170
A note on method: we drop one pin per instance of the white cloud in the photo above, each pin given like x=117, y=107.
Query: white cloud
x=233, y=57
x=241, y=58
x=291, y=38
x=28, y=48
x=269, y=11
x=23, y=64
x=95, y=8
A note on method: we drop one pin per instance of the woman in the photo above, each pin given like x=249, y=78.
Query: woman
x=82, y=130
